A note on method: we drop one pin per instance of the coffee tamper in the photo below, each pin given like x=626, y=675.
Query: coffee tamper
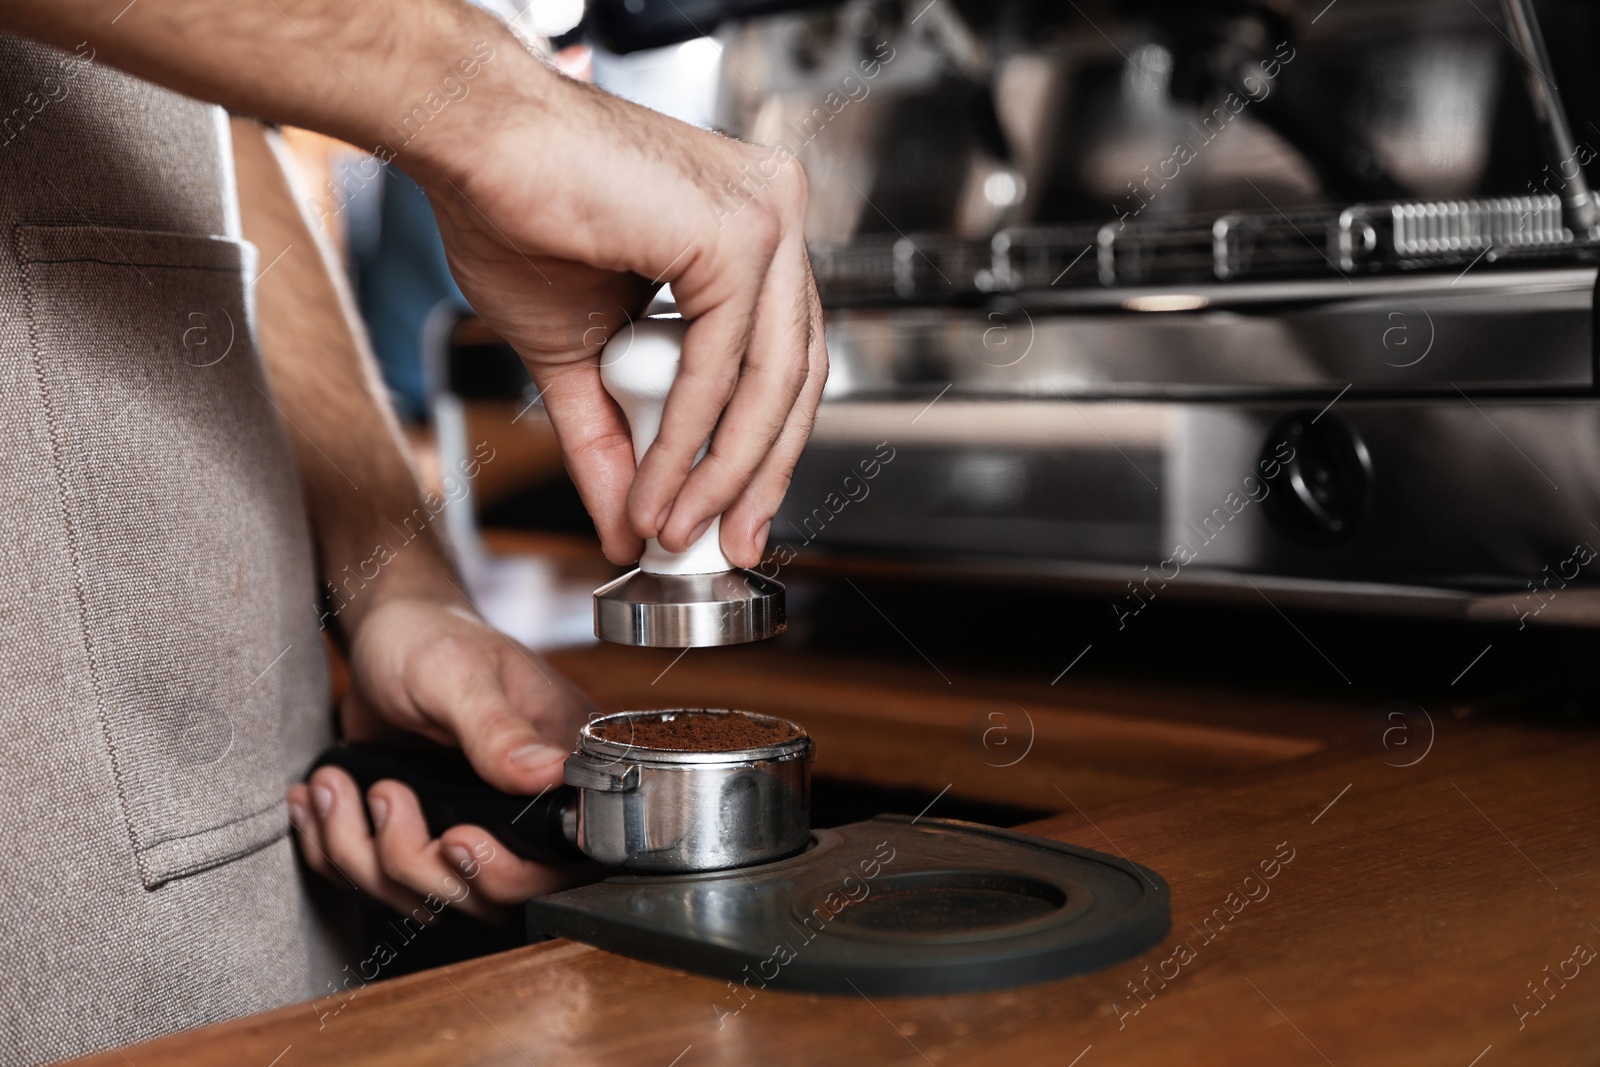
x=687, y=599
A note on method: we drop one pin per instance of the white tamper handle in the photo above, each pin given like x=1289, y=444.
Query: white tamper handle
x=638, y=367
x=689, y=599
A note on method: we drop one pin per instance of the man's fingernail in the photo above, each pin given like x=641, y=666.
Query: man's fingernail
x=699, y=531
x=380, y=811
x=529, y=756
x=297, y=814
x=661, y=519
x=761, y=535
x=322, y=797
x=459, y=858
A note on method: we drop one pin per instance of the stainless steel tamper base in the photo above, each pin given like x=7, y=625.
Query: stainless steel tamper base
x=689, y=610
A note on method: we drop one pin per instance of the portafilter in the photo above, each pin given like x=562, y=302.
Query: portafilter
x=681, y=790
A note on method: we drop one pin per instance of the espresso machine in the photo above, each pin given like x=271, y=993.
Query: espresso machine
x=1211, y=300
x=1214, y=300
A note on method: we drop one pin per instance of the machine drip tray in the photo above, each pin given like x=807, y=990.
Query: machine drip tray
x=885, y=907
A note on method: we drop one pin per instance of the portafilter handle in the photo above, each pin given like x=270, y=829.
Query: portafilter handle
x=638, y=368
x=541, y=828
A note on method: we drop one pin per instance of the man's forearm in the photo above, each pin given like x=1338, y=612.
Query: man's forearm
x=384, y=75
x=375, y=535
x=559, y=206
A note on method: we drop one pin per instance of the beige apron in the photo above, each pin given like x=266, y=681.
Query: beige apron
x=161, y=673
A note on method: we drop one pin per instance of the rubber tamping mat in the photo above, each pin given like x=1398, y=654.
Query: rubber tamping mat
x=888, y=906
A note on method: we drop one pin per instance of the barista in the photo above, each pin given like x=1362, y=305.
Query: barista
x=164, y=671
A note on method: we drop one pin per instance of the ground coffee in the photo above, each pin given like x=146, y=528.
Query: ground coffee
x=697, y=731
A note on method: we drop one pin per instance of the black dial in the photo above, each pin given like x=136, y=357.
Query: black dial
x=1323, y=486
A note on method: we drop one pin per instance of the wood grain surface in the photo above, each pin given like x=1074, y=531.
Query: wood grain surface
x=1027, y=744
x=1329, y=910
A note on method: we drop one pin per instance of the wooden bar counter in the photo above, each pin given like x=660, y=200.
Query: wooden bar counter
x=1328, y=908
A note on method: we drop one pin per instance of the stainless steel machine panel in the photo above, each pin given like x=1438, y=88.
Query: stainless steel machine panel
x=1416, y=504
x=1528, y=330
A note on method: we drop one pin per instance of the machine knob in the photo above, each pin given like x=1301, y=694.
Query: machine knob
x=1324, y=487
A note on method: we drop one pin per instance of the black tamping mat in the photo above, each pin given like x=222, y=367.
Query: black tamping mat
x=889, y=906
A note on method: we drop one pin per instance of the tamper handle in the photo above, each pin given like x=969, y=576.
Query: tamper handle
x=638, y=368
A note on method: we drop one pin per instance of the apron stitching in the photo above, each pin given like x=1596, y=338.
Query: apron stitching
x=276, y=805
x=58, y=468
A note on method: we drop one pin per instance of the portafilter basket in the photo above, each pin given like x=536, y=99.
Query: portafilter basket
x=677, y=791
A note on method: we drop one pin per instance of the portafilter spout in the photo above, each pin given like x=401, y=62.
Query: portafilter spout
x=688, y=599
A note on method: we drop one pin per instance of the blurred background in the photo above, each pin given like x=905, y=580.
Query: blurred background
x=1089, y=266
x=1224, y=365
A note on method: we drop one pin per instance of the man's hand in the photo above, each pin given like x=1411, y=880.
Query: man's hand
x=439, y=670
x=558, y=224
x=560, y=206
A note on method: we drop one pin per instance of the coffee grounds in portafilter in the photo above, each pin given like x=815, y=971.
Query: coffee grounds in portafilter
x=697, y=731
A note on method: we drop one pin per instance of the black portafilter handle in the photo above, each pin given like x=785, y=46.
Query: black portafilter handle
x=451, y=793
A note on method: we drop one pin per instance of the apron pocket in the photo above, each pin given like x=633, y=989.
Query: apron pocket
x=188, y=538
